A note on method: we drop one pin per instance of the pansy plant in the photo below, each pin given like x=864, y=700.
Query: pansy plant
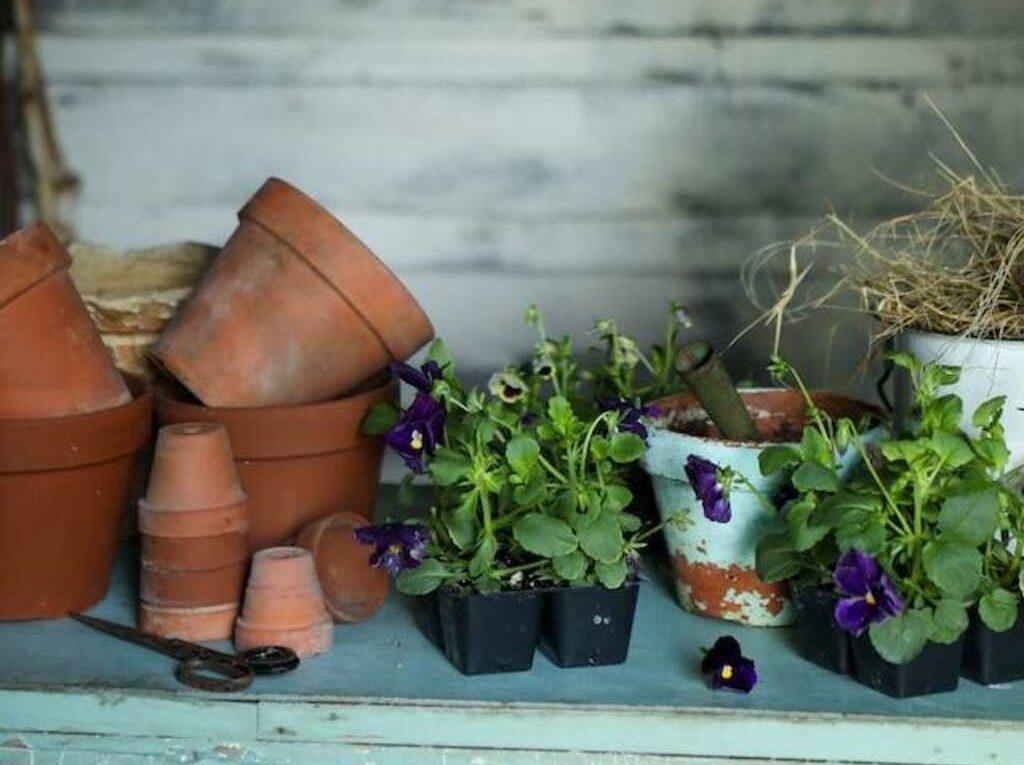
x=922, y=531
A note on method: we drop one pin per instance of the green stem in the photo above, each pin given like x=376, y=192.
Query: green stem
x=515, y=569
x=485, y=505
x=550, y=468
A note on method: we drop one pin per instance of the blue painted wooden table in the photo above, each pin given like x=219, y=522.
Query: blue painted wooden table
x=73, y=696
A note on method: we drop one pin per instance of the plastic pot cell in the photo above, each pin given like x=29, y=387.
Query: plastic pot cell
x=485, y=634
x=589, y=626
x=993, y=657
x=818, y=638
x=52, y=360
x=294, y=310
x=935, y=670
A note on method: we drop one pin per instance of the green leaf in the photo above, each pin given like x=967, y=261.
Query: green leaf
x=775, y=558
x=483, y=558
x=423, y=579
x=845, y=508
x=904, y=360
x=439, y=352
x=865, y=531
x=630, y=522
x=544, y=535
x=945, y=412
x=380, y=419
x=998, y=609
x=602, y=539
x=613, y=574
x=953, y=566
x=901, y=638
x=407, y=491
x=971, y=517
x=617, y=498
x=950, y=621
x=802, y=535
x=448, y=466
x=522, y=453
x=532, y=492
x=952, y=449
x=461, y=521
x=626, y=447
x=571, y=566
x=814, y=446
x=561, y=414
x=599, y=447
x=774, y=459
x=906, y=450
x=811, y=476
x=988, y=413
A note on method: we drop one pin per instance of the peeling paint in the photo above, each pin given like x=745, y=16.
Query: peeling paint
x=729, y=592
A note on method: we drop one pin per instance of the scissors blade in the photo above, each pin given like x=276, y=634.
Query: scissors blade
x=179, y=649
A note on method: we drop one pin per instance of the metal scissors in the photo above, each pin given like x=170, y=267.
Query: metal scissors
x=202, y=667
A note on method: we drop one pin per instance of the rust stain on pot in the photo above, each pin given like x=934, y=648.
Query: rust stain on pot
x=726, y=592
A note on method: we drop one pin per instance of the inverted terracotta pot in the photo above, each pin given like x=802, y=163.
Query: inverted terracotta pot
x=297, y=463
x=52, y=360
x=295, y=309
x=284, y=604
x=194, y=624
x=180, y=588
x=193, y=468
x=353, y=589
x=194, y=553
x=214, y=521
x=64, y=485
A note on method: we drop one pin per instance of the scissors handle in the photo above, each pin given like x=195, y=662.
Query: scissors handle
x=270, y=660
x=215, y=671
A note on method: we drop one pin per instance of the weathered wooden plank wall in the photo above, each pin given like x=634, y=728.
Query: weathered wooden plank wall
x=599, y=156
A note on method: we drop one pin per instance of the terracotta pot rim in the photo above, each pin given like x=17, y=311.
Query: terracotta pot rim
x=269, y=446
x=189, y=610
x=66, y=442
x=681, y=402
x=274, y=626
x=265, y=215
x=54, y=258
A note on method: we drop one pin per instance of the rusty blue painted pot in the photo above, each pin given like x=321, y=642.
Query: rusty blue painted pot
x=714, y=562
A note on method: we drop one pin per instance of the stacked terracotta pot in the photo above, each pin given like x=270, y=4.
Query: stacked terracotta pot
x=194, y=523
x=71, y=429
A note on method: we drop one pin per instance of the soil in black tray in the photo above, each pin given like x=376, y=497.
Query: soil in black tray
x=935, y=670
x=589, y=626
x=485, y=634
x=818, y=638
x=993, y=657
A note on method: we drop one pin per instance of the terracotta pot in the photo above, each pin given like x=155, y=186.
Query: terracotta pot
x=295, y=309
x=714, y=562
x=194, y=624
x=181, y=588
x=194, y=553
x=193, y=523
x=193, y=469
x=297, y=463
x=64, y=486
x=284, y=604
x=353, y=589
x=52, y=361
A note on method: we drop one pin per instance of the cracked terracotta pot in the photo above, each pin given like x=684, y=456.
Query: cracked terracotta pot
x=353, y=589
x=64, y=486
x=714, y=566
x=297, y=463
x=294, y=310
x=194, y=624
x=52, y=360
x=284, y=604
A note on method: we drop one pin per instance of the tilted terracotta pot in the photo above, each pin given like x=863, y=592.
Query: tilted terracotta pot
x=297, y=463
x=195, y=624
x=294, y=310
x=52, y=361
x=284, y=604
x=64, y=485
x=353, y=589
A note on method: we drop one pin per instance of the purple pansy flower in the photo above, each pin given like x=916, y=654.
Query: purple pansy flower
x=418, y=432
x=421, y=379
x=399, y=546
x=867, y=594
x=629, y=415
x=703, y=475
x=725, y=666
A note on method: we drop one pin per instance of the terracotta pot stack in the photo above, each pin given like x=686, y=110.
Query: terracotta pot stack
x=71, y=430
x=194, y=522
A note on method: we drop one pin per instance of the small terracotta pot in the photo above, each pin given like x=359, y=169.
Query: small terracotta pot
x=284, y=604
x=353, y=589
x=194, y=553
x=297, y=463
x=64, y=485
x=52, y=360
x=193, y=523
x=295, y=309
x=193, y=469
x=181, y=588
x=194, y=624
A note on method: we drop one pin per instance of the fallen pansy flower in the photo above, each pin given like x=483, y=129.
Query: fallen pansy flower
x=725, y=666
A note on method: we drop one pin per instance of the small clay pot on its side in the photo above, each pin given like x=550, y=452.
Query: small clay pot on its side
x=294, y=310
x=52, y=360
x=353, y=589
x=297, y=463
x=64, y=485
